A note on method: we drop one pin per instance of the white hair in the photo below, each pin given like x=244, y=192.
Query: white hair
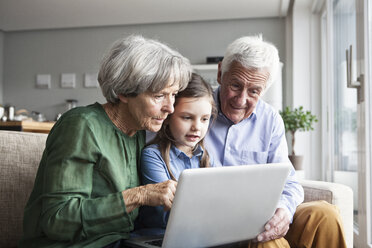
x=253, y=53
x=136, y=64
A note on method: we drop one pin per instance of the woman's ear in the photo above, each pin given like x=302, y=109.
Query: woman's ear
x=123, y=99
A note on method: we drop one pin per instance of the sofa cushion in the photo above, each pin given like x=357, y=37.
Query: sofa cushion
x=20, y=156
x=314, y=194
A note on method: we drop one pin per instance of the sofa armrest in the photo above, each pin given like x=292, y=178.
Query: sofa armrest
x=336, y=194
x=19, y=160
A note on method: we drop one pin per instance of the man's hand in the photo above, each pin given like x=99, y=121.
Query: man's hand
x=276, y=227
x=150, y=195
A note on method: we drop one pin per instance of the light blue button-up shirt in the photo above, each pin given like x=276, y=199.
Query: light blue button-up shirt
x=258, y=139
x=154, y=170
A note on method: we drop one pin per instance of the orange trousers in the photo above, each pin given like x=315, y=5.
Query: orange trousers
x=315, y=224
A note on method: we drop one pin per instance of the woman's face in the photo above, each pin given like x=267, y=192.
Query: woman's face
x=149, y=110
x=189, y=122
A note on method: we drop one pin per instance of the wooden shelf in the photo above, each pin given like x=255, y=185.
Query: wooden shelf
x=27, y=126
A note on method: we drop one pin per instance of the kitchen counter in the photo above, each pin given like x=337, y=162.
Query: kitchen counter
x=27, y=126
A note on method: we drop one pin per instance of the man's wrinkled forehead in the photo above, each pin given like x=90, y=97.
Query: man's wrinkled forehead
x=252, y=74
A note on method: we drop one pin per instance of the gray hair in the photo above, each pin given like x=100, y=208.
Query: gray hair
x=135, y=65
x=253, y=52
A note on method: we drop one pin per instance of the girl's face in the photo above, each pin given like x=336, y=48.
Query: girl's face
x=189, y=122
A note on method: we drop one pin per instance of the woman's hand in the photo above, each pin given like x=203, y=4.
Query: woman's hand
x=150, y=195
x=160, y=194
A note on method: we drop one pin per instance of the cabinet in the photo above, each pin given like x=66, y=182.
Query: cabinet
x=208, y=72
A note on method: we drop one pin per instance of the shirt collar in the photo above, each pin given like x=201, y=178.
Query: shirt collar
x=197, y=152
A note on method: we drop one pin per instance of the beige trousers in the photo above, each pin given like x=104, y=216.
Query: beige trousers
x=315, y=224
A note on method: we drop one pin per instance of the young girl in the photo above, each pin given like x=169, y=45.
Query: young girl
x=179, y=144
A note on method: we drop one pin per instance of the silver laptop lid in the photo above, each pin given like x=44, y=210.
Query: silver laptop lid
x=215, y=206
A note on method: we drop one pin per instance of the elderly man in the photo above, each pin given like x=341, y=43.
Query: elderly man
x=249, y=131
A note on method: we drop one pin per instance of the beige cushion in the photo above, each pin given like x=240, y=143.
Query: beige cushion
x=20, y=154
x=314, y=194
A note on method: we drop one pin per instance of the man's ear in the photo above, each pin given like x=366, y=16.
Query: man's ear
x=219, y=73
x=123, y=99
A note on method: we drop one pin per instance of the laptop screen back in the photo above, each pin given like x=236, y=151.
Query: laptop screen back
x=215, y=206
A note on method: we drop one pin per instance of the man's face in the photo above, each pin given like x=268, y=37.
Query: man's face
x=240, y=90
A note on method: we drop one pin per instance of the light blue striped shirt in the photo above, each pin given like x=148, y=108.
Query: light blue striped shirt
x=258, y=139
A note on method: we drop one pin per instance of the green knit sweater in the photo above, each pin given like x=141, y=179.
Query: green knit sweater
x=76, y=200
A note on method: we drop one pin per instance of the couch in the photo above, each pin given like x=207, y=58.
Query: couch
x=20, y=153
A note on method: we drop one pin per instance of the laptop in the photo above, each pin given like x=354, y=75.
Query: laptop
x=220, y=205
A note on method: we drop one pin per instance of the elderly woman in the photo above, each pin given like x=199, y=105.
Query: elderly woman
x=87, y=191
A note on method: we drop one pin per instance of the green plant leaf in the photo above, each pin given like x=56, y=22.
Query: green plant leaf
x=297, y=120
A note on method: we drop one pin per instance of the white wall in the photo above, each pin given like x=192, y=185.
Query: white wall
x=1, y=65
x=79, y=51
x=288, y=62
x=316, y=167
x=306, y=89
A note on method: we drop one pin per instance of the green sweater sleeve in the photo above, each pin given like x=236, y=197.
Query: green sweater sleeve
x=80, y=197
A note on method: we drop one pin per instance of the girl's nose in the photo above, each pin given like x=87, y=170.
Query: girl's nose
x=196, y=125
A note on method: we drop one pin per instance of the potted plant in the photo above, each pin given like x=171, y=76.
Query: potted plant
x=297, y=120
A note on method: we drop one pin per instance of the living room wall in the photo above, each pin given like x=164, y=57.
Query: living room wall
x=28, y=53
x=1, y=64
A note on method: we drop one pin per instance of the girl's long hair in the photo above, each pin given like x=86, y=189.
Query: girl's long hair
x=196, y=88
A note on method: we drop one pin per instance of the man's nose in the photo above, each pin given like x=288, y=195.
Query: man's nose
x=241, y=99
